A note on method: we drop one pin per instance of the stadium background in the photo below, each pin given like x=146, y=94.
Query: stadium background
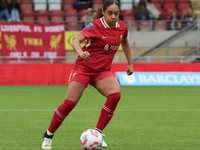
x=147, y=117
x=140, y=39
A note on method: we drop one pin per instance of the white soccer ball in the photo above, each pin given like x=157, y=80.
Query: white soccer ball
x=91, y=139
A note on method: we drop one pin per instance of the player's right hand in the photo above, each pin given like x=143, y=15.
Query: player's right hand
x=85, y=55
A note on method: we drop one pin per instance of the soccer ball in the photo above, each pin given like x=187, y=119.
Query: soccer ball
x=91, y=139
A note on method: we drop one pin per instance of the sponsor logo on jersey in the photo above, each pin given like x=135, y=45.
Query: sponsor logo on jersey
x=89, y=26
x=114, y=48
x=107, y=47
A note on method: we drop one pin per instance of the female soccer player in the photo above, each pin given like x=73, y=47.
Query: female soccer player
x=104, y=35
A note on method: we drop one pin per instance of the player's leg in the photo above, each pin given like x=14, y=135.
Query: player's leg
x=74, y=93
x=110, y=88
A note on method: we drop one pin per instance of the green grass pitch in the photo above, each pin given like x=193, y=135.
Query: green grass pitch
x=147, y=118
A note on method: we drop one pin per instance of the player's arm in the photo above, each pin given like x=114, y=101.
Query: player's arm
x=127, y=52
x=77, y=47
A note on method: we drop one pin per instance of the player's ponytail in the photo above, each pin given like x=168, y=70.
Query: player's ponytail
x=98, y=12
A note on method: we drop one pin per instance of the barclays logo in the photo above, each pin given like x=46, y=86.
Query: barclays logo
x=159, y=78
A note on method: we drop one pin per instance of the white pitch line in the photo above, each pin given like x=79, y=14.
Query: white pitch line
x=34, y=110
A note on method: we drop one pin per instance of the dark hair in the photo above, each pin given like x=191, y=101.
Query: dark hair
x=14, y=1
x=98, y=13
x=5, y=1
x=143, y=2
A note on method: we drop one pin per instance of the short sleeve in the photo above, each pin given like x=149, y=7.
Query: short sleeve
x=90, y=31
x=125, y=34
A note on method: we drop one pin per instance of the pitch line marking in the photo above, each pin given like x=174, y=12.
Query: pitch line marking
x=40, y=110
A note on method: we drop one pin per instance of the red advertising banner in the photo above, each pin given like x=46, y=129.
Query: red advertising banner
x=32, y=40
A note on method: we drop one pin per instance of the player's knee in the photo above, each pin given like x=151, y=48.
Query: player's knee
x=112, y=101
x=115, y=97
x=69, y=102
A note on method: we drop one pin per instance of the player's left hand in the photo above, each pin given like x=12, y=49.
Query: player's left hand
x=85, y=55
x=130, y=69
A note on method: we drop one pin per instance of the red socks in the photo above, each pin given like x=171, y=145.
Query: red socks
x=106, y=113
x=108, y=110
x=60, y=114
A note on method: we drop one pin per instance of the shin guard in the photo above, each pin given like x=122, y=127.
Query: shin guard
x=60, y=114
x=108, y=110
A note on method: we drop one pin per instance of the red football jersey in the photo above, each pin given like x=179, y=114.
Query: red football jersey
x=102, y=44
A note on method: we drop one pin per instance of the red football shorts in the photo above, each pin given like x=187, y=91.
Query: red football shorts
x=88, y=78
